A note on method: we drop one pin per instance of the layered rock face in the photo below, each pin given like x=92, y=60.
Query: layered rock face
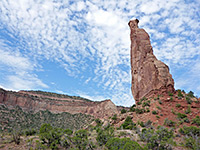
x=35, y=102
x=149, y=75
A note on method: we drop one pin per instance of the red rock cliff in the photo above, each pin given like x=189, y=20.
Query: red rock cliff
x=30, y=101
x=148, y=74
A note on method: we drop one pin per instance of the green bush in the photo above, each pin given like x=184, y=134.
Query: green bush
x=147, y=103
x=98, y=122
x=143, y=99
x=80, y=139
x=188, y=110
x=154, y=112
x=139, y=111
x=16, y=137
x=192, y=143
x=160, y=102
x=189, y=101
x=50, y=136
x=180, y=93
x=30, y=132
x=123, y=111
x=196, y=120
x=178, y=105
x=114, y=117
x=128, y=123
x=190, y=131
x=169, y=123
x=171, y=94
x=181, y=116
x=190, y=94
x=104, y=135
x=158, y=139
x=158, y=107
x=122, y=144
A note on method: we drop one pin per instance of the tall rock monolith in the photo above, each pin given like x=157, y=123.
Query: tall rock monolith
x=149, y=75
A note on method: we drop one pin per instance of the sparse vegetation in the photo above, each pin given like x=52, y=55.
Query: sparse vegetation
x=178, y=105
x=188, y=99
x=180, y=95
x=114, y=117
x=26, y=121
x=154, y=112
x=188, y=110
x=196, y=121
x=169, y=123
x=190, y=94
x=122, y=144
x=128, y=123
x=123, y=111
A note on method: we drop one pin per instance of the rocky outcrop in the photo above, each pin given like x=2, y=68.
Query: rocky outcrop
x=35, y=102
x=149, y=75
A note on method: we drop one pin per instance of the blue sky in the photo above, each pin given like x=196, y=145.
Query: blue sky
x=83, y=47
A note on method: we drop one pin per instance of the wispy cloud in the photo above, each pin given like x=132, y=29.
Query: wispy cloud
x=94, y=36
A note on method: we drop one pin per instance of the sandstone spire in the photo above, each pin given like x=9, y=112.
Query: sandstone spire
x=149, y=75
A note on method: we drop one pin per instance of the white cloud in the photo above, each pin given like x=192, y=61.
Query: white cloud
x=97, y=31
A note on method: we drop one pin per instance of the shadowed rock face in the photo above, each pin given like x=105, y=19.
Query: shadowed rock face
x=149, y=75
x=35, y=102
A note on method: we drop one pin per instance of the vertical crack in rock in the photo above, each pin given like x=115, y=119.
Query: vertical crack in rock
x=149, y=75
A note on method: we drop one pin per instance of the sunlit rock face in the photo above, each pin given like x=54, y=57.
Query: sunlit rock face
x=149, y=75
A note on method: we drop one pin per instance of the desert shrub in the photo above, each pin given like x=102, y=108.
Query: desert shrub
x=158, y=117
x=139, y=111
x=123, y=111
x=171, y=98
x=147, y=103
x=180, y=93
x=158, y=107
x=169, y=123
x=141, y=123
x=122, y=144
x=181, y=116
x=186, y=120
x=30, y=132
x=190, y=94
x=104, y=135
x=148, y=123
x=50, y=136
x=171, y=94
x=68, y=131
x=132, y=109
x=154, y=112
x=114, y=117
x=80, y=139
x=178, y=105
x=143, y=99
x=128, y=123
x=158, y=139
x=16, y=137
x=192, y=142
x=189, y=101
x=160, y=102
x=98, y=122
x=196, y=120
x=188, y=110
x=139, y=103
x=190, y=131
x=40, y=146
